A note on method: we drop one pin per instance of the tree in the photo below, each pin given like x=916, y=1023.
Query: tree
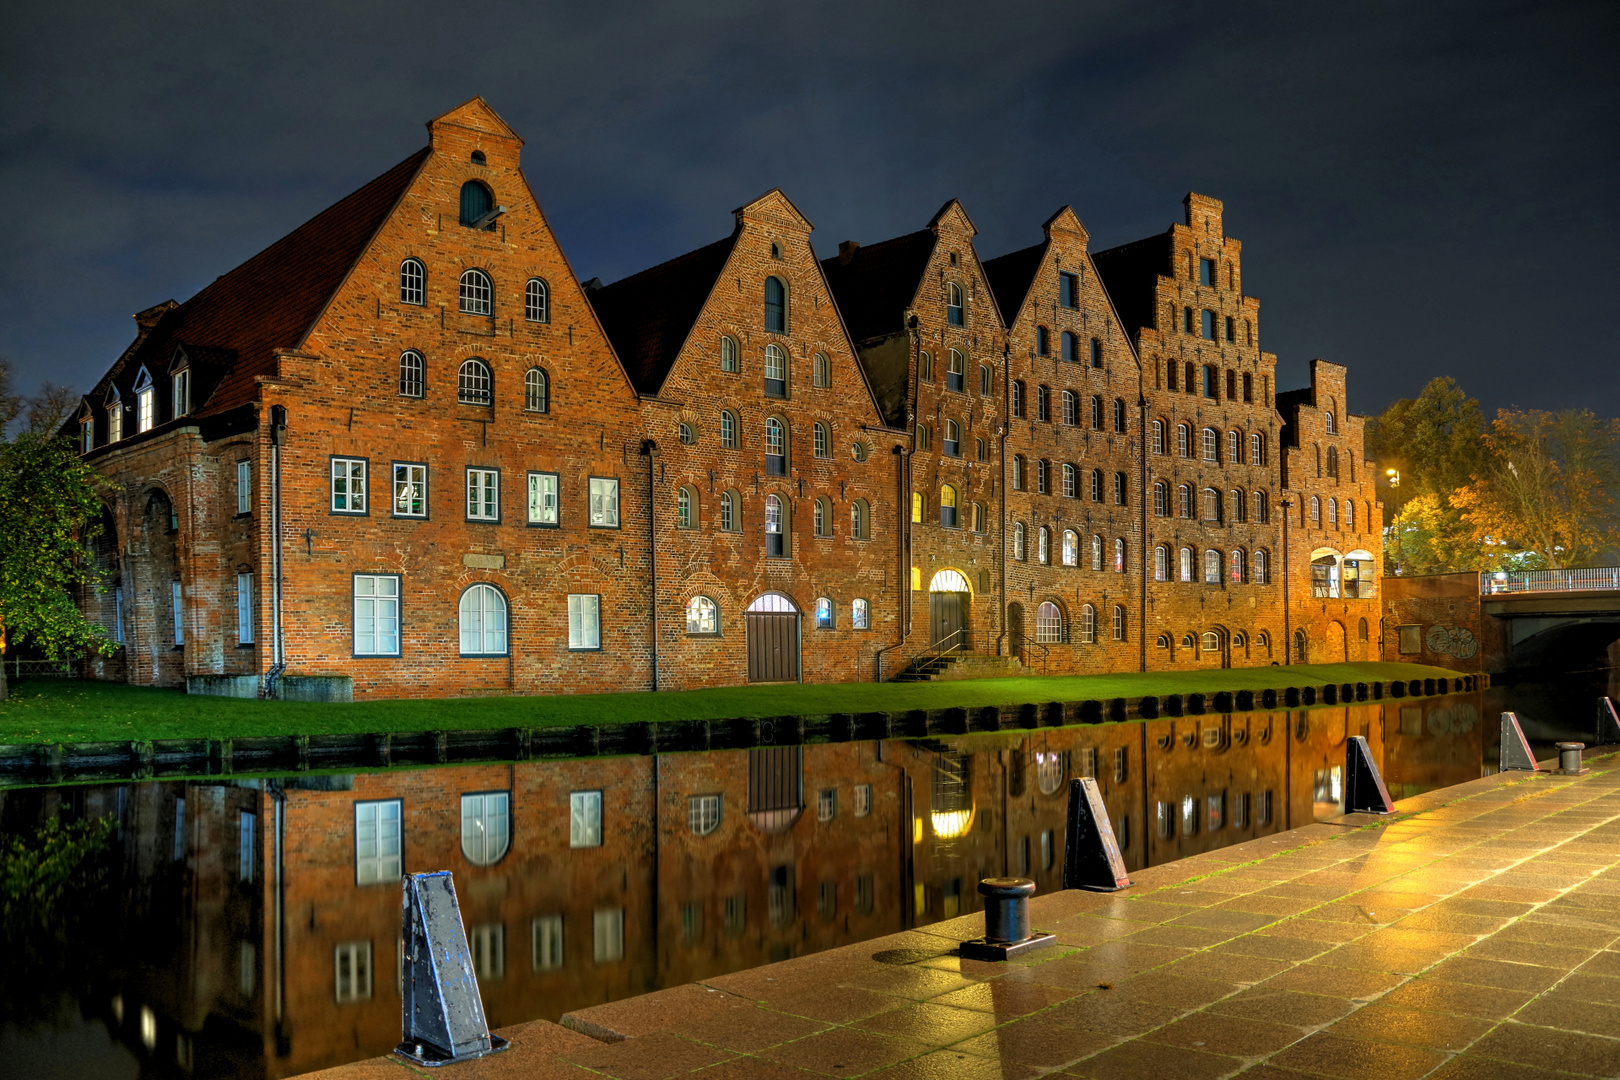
x=1546, y=486
x=49, y=510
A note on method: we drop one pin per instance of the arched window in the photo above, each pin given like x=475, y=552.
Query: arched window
x=1329, y=420
x=1333, y=462
x=1018, y=399
x=953, y=304
x=1096, y=413
x=729, y=355
x=728, y=429
x=1184, y=440
x=1119, y=556
x=1120, y=424
x=925, y=437
x=925, y=367
x=1161, y=499
x=1071, y=548
x=1361, y=630
x=1096, y=553
x=1119, y=489
x=536, y=301
x=824, y=613
x=1043, y=404
x=685, y=508
x=947, y=506
x=821, y=371
x=1043, y=546
x=685, y=433
x=823, y=517
x=1043, y=341
x=1188, y=641
x=483, y=621
x=1119, y=622
x=1096, y=485
x=919, y=506
x=1212, y=505
x=1161, y=563
x=1048, y=624
x=1212, y=567
x=775, y=371
x=985, y=379
x=730, y=517
x=411, y=371
x=1018, y=541
x=1184, y=501
x=775, y=447
x=1333, y=513
x=412, y=282
x=775, y=535
x=1239, y=641
x=486, y=829
x=536, y=397
x=1067, y=474
x=1257, y=449
x=477, y=294
x=1235, y=499
x=956, y=372
x=1211, y=641
x=1316, y=510
x=1088, y=624
x=473, y=383
x=1262, y=511
x=1157, y=429
x=1096, y=353
x=1257, y=572
x=476, y=204
x=860, y=614
x=1186, y=564
x=951, y=445
x=1234, y=447
x=860, y=520
x=980, y=518
x=821, y=440
x=776, y=309
x=1349, y=516
x=1018, y=472
x=858, y=450
x=1071, y=408
x=1236, y=569
x=1043, y=476
x=1211, y=445
x=702, y=616
x=1071, y=347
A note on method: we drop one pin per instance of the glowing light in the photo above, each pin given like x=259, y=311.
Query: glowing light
x=916, y=830
x=949, y=824
x=148, y=1027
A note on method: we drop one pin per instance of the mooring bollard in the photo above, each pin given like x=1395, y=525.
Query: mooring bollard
x=1569, y=758
x=1515, y=753
x=1006, y=921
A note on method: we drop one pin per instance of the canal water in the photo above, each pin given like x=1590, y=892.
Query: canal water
x=251, y=928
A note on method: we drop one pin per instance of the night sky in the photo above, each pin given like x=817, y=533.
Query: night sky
x=1421, y=189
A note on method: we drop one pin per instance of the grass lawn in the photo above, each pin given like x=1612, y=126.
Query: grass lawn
x=53, y=710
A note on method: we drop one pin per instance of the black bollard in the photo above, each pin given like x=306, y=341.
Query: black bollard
x=443, y=1014
x=1569, y=759
x=1515, y=754
x=1091, y=858
x=1364, y=790
x=1006, y=921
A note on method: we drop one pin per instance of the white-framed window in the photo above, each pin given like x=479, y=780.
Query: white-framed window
x=584, y=621
x=536, y=391
x=177, y=608
x=585, y=819
x=145, y=402
x=483, y=621
x=728, y=427
x=536, y=301
x=115, y=420
x=1257, y=449
x=824, y=613
x=483, y=495
x=246, y=826
x=412, y=278
x=548, y=942
x=244, y=609
x=1161, y=563
x=775, y=447
x=860, y=615
x=604, y=503
x=1018, y=541
x=1048, y=623
x=1119, y=556
x=1186, y=564
x=377, y=841
x=376, y=614
x=1212, y=567
x=775, y=371
x=703, y=814
x=477, y=294
x=1257, y=570
x=826, y=804
x=474, y=385
x=728, y=355
x=953, y=304
x=87, y=434
x=860, y=520
x=956, y=372
x=486, y=826
x=863, y=800
x=821, y=371
x=182, y=392
x=1071, y=548
x=543, y=500
x=1088, y=624
x=729, y=520
x=775, y=537
x=684, y=499
x=702, y=616
x=487, y=944
x=951, y=444
x=410, y=490
x=1119, y=623
x=352, y=965
x=412, y=373
x=607, y=933
x=1043, y=545
x=821, y=440
x=244, y=486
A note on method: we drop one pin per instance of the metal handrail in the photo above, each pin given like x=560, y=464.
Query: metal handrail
x=956, y=639
x=1578, y=579
x=1046, y=654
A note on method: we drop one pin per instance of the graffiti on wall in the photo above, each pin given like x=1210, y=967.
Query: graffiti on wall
x=1455, y=641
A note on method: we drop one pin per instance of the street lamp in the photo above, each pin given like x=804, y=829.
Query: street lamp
x=1394, y=477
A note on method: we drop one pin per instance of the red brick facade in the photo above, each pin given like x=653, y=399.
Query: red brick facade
x=404, y=447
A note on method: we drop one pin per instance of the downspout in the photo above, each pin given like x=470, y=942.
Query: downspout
x=1288, y=635
x=912, y=327
x=650, y=449
x=905, y=576
x=1001, y=523
x=278, y=656
x=279, y=798
x=1142, y=516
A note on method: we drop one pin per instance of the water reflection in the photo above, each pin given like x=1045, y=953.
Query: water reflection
x=253, y=927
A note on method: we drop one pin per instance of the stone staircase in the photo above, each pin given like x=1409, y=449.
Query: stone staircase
x=957, y=665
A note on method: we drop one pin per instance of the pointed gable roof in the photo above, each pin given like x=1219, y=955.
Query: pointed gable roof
x=1130, y=273
x=233, y=327
x=475, y=114
x=649, y=315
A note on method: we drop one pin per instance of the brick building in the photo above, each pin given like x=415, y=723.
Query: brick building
x=403, y=452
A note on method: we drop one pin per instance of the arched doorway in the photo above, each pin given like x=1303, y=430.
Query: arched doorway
x=950, y=600
x=772, y=624
x=1338, y=647
x=1015, y=632
x=1300, y=656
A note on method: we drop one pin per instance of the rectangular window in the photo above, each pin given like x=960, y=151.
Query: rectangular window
x=1206, y=271
x=353, y=964
x=585, y=819
x=178, y=609
x=244, y=609
x=245, y=823
x=607, y=934
x=487, y=943
x=115, y=422
x=349, y=485
x=483, y=495
x=543, y=501
x=377, y=840
x=376, y=614
x=144, y=401
x=1069, y=290
x=410, y=490
x=604, y=503
x=182, y=392
x=827, y=804
x=863, y=894
x=548, y=943
x=584, y=621
x=863, y=800
x=1207, y=328
x=244, y=487
x=1187, y=320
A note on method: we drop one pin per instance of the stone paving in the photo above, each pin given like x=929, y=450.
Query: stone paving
x=1475, y=935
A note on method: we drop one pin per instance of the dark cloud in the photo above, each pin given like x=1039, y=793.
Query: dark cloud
x=1421, y=189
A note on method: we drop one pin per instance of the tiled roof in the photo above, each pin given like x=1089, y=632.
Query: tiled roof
x=1130, y=273
x=1010, y=277
x=647, y=316
x=231, y=329
x=875, y=286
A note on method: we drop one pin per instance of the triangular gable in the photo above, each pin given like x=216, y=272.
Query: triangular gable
x=181, y=361
x=953, y=208
x=1066, y=222
x=773, y=205
x=475, y=114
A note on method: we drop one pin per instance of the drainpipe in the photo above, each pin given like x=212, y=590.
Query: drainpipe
x=905, y=575
x=279, y=798
x=1142, y=516
x=650, y=449
x=278, y=438
x=1001, y=522
x=913, y=326
x=1288, y=636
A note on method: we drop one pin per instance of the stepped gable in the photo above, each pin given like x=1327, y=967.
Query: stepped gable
x=648, y=315
x=231, y=330
x=1130, y=273
x=874, y=285
x=1010, y=277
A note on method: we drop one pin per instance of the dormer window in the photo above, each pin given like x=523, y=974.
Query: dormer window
x=115, y=417
x=182, y=392
x=145, y=402
x=87, y=433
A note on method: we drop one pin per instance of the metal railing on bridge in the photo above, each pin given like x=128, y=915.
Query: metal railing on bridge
x=1580, y=579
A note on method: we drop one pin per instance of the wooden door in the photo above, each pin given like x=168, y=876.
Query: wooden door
x=773, y=646
x=947, y=613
